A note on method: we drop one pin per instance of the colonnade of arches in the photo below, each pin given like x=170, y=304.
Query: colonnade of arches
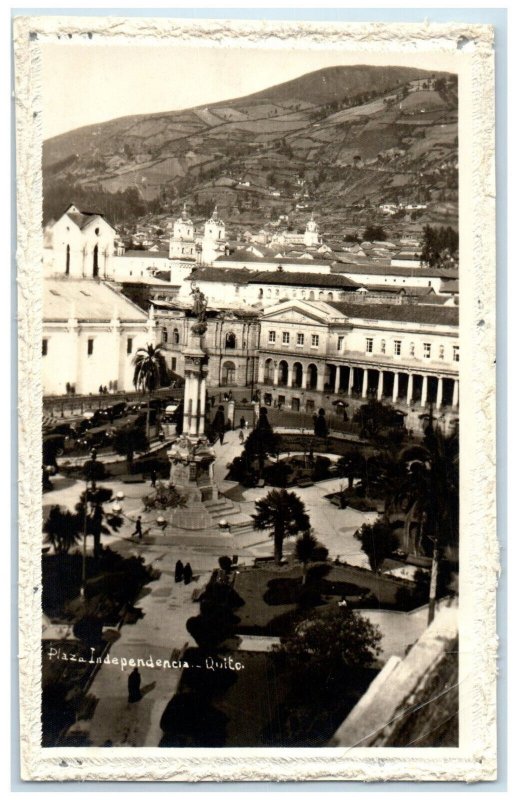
x=363, y=382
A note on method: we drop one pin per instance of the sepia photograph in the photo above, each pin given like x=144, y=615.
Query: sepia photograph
x=253, y=515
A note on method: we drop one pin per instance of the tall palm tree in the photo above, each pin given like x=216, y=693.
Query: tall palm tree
x=430, y=495
x=284, y=513
x=148, y=365
x=62, y=530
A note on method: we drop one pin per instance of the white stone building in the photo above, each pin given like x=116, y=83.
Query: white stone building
x=91, y=333
x=80, y=244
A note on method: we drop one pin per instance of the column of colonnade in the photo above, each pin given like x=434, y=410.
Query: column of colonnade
x=365, y=382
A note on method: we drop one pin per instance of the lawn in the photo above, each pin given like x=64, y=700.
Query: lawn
x=272, y=599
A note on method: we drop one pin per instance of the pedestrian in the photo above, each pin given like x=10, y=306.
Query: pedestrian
x=242, y=423
x=138, y=528
x=221, y=436
x=246, y=424
x=153, y=478
x=178, y=572
x=187, y=574
x=241, y=437
x=134, y=693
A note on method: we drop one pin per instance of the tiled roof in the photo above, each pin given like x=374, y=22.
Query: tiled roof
x=87, y=300
x=372, y=268
x=221, y=275
x=242, y=255
x=431, y=314
x=303, y=279
x=145, y=254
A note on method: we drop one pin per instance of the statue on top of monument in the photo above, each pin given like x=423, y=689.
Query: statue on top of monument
x=199, y=305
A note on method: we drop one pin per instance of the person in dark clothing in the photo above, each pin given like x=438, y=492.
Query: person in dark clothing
x=187, y=573
x=153, y=478
x=178, y=572
x=242, y=423
x=138, y=528
x=221, y=436
x=134, y=693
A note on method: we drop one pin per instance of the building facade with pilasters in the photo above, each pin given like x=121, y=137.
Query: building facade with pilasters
x=313, y=353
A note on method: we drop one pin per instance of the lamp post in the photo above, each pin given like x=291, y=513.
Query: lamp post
x=93, y=457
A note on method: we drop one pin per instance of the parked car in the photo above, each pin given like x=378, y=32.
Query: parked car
x=53, y=446
x=61, y=428
x=170, y=415
x=96, y=437
x=116, y=411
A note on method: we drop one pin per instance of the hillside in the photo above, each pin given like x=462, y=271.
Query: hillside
x=341, y=140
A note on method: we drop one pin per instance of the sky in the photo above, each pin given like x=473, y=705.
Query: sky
x=85, y=83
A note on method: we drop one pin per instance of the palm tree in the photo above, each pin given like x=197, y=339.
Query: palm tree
x=62, y=529
x=283, y=512
x=430, y=495
x=305, y=547
x=149, y=365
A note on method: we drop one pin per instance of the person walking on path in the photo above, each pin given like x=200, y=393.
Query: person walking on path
x=138, y=528
x=134, y=693
x=178, y=572
x=241, y=437
x=242, y=423
x=153, y=478
x=187, y=574
x=221, y=437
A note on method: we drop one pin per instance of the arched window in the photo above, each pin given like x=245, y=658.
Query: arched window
x=260, y=293
x=412, y=349
x=67, y=263
x=312, y=295
x=164, y=335
x=330, y=296
x=383, y=346
x=176, y=336
x=230, y=341
x=320, y=295
x=96, y=262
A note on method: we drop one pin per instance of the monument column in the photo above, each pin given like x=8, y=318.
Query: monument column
x=395, y=391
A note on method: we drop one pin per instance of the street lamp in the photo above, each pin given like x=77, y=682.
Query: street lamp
x=93, y=457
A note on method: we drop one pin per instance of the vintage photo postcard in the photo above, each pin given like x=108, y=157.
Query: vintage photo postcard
x=256, y=270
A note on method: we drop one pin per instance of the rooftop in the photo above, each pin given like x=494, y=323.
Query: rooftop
x=87, y=300
x=433, y=315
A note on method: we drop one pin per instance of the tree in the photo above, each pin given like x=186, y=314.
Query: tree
x=321, y=429
x=284, y=513
x=129, y=439
x=374, y=233
x=149, y=365
x=330, y=640
x=305, y=548
x=262, y=441
x=62, y=530
x=440, y=246
x=351, y=466
x=378, y=542
x=98, y=520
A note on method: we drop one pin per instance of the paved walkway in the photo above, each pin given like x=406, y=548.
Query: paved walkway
x=166, y=605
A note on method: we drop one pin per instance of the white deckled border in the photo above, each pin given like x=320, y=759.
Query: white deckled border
x=475, y=759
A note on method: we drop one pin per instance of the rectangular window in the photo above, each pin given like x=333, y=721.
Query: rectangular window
x=173, y=364
x=340, y=343
x=271, y=336
x=300, y=338
x=455, y=352
x=44, y=347
x=397, y=347
x=90, y=347
x=285, y=337
x=129, y=345
x=315, y=340
x=427, y=350
x=369, y=345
